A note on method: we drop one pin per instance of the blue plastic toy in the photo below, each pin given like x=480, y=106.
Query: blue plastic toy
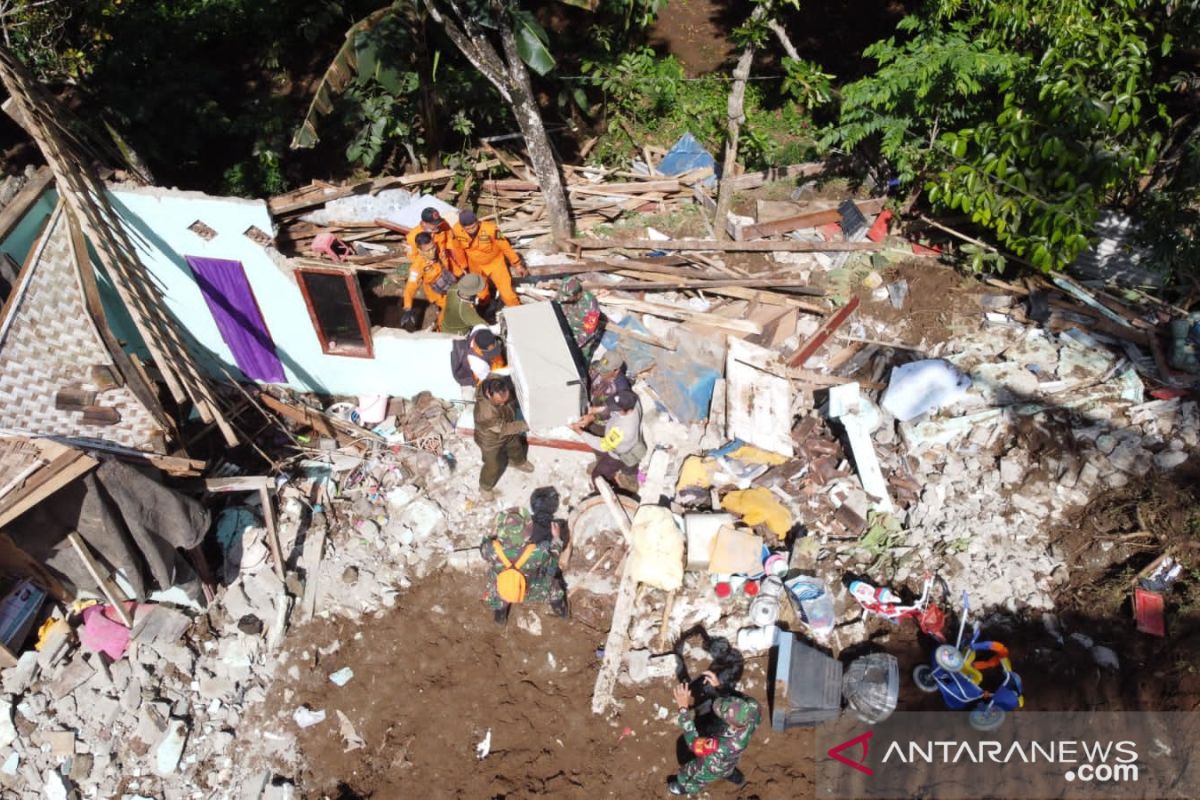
x=958, y=673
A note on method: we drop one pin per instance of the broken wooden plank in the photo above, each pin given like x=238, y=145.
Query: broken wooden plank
x=752, y=180
x=311, y=196
x=758, y=400
x=682, y=313
x=638, y=188
x=788, y=246
x=101, y=415
x=314, y=545
x=822, y=334
x=811, y=219
x=618, y=632
x=15, y=209
x=264, y=494
x=626, y=333
x=784, y=284
x=102, y=581
x=64, y=468
x=74, y=399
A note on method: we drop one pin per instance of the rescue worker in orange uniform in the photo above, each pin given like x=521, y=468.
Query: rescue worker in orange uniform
x=433, y=224
x=488, y=255
x=432, y=269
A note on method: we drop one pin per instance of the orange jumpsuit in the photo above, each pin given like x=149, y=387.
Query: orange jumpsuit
x=436, y=275
x=488, y=254
x=444, y=239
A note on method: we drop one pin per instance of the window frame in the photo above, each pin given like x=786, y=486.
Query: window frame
x=360, y=313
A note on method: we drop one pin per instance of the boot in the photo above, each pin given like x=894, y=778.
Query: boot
x=736, y=777
x=673, y=786
x=628, y=483
x=559, y=607
x=501, y=615
x=523, y=467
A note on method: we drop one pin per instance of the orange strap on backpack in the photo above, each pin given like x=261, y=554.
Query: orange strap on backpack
x=526, y=552
x=510, y=582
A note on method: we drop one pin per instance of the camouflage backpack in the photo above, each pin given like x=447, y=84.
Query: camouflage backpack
x=510, y=531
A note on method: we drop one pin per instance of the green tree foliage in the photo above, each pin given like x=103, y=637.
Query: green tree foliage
x=652, y=96
x=1029, y=116
x=201, y=89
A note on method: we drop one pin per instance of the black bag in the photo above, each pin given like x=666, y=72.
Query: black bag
x=459, y=367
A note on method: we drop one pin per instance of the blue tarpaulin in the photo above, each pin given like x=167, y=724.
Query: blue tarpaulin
x=680, y=378
x=686, y=155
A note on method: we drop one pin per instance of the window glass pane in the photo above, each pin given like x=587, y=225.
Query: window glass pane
x=334, y=307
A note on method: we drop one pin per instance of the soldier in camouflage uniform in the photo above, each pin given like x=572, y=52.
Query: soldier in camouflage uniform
x=716, y=758
x=514, y=528
x=583, y=315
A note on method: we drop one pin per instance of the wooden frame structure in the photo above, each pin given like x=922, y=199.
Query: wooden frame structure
x=354, y=291
x=87, y=199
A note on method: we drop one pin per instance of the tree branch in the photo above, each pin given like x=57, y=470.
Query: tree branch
x=784, y=40
x=478, y=50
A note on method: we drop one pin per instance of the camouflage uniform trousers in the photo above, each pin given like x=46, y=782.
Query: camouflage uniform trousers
x=698, y=772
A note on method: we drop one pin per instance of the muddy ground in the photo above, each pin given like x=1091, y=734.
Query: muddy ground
x=433, y=675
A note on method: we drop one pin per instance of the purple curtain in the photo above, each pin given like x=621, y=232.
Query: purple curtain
x=227, y=292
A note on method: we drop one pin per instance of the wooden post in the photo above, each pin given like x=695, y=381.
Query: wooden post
x=102, y=581
x=272, y=532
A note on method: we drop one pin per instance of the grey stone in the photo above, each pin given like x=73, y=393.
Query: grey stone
x=283, y=790
x=215, y=686
x=1029, y=505
x=81, y=767
x=33, y=707
x=18, y=678
x=170, y=748
x=1125, y=456
x=55, y=648
x=131, y=697
x=1011, y=470
x=152, y=722
x=54, y=788
x=70, y=678
x=181, y=656
x=1170, y=459
x=253, y=787
x=160, y=623
x=8, y=732
x=1089, y=476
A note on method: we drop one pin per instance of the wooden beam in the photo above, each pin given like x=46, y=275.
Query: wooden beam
x=302, y=414
x=29, y=194
x=788, y=246
x=752, y=180
x=264, y=495
x=681, y=313
x=314, y=546
x=311, y=196
x=618, y=632
x=785, y=284
x=811, y=219
x=15, y=558
x=102, y=581
x=822, y=334
x=65, y=468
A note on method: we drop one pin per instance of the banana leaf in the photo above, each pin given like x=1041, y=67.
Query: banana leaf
x=335, y=80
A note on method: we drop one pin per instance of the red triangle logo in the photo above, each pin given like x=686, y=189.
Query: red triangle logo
x=864, y=739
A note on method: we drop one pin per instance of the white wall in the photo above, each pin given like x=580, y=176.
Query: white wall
x=404, y=364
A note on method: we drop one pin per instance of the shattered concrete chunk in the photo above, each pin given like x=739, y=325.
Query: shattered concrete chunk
x=18, y=678
x=8, y=732
x=170, y=749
